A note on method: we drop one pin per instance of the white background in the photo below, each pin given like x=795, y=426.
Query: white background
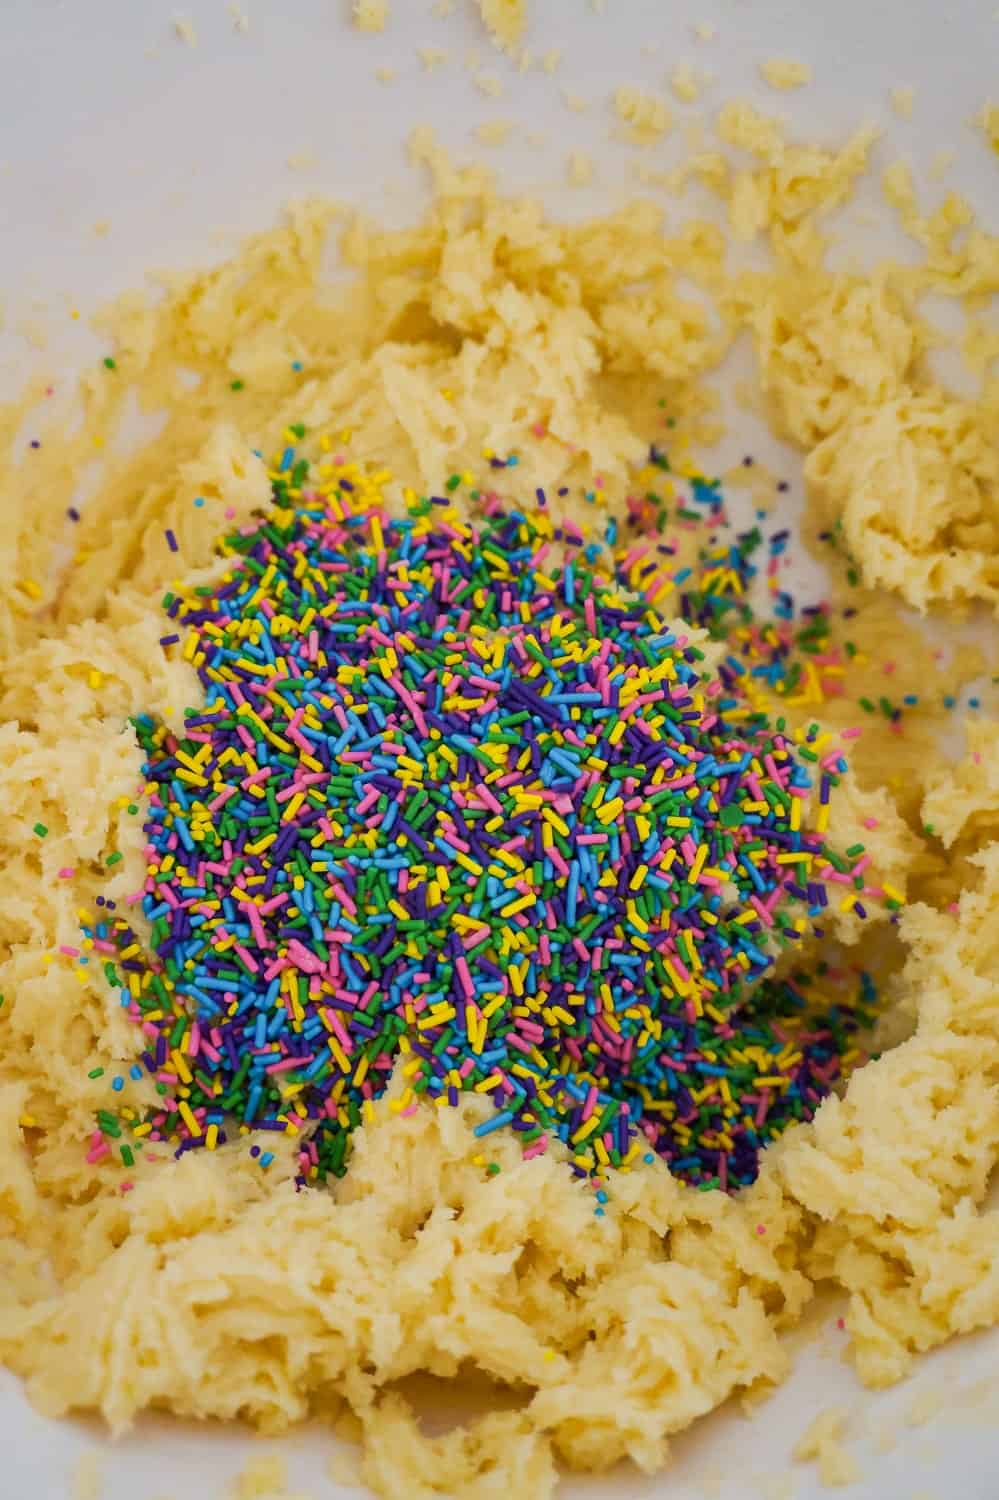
x=106, y=115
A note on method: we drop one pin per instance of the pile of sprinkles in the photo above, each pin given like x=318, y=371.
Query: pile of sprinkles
x=458, y=801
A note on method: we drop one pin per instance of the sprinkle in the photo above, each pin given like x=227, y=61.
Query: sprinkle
x=171, y=540
x=448, y=796
x=41, y=830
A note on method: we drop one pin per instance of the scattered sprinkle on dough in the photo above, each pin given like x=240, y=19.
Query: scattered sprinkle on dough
x=505, y=20
x=184, y=31
x=88, y=1475
x=988, y=119
x=371, y=15
x=837, y=1467
x=493, y=132
x=580, y=169
x=648, y=116
x=432, y=57
x=685, y=83
x=704, y=31
x=902, y=101
x=783, y=73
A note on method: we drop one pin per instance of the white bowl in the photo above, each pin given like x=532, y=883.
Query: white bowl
x=108, y=114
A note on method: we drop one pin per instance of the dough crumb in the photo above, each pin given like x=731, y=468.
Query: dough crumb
x=837, y=1467
x=551, y=59
x=302, y=161
x=344, y=1468
x=488, y=84
x=371, y=15
x=685, y=83
x=777, y=1487
x=902, y=101
x=648, y=116
x=941, y=163
x=184, y=31
x=505, y=20
x=385, y=75
x=442, y=9
x=924, y=1407
x=885, y=1438
x=493, y=132
x=783, y=73
x=705, y=31
x=240, y=20
x=432, y=57
x=575, y=102
x=580, y=169
x=267, y=1475
x=988, y=119
x=88, y=1475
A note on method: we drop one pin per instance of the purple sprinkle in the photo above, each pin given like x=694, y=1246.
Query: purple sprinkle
x=171, y=540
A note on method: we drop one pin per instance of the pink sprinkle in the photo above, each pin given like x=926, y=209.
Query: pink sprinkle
x=464, y=976
x=67, y=873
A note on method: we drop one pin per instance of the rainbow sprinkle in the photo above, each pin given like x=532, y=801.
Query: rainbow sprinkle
x=458, y=799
